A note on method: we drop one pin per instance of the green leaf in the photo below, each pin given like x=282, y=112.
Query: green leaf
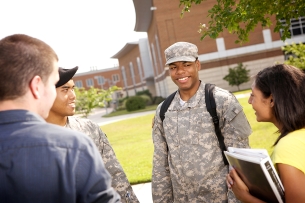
x=241, y=17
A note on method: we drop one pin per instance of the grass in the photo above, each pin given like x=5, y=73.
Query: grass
x=242, y=92
x=132, y=142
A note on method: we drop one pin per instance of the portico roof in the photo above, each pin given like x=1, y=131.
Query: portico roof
x=143, y=14
x=126, y=49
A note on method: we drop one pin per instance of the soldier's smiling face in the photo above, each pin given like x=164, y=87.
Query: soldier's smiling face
x=64, y=103
x=185, y=74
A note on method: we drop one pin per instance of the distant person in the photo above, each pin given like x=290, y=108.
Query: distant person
x=41, y=162
x=278, y=95
x=62, y=113
x=188, y=165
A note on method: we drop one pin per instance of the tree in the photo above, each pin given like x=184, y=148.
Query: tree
x=296, y=54
x=87, y=100
x=237, y=75
x=241, y=17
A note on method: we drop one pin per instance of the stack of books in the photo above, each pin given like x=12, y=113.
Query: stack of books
x=256, y=169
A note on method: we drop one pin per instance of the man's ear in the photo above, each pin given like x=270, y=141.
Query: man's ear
x=35, y=86
x=198, y=65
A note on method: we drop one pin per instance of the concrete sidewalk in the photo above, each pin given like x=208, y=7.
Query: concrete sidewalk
x=97, y=114
x=143, y=192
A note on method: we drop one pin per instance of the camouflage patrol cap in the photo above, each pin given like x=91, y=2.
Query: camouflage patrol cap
x=181, y=51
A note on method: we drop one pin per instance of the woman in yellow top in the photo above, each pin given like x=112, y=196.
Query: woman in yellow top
x=278, y=96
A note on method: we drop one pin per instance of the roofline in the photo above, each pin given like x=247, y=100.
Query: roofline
x=125, y=50
x=96, y=71
x=143, y=14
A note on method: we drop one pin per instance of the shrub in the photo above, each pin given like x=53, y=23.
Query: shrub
x=144, y=92
x=122, y=100
x=121, y=107
x=122, y=103
x=135, y=103
x=147, y=99
x=158, y=100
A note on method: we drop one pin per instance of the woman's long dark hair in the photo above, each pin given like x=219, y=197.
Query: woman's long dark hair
x=286, y=84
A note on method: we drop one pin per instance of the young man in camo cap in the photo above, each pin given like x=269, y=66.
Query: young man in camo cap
x=62, y=113
x=188, y=164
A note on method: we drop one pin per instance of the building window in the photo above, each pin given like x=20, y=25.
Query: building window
x=89, y=82
x=297, y=26
x=79, y=84
x=115, y=78
x=100, y=80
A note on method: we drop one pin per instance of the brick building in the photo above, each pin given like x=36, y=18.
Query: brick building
x=102, y=78
x=141, y=64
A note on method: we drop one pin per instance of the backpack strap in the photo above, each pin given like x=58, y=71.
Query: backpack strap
x=211, y=107
x=165, y=105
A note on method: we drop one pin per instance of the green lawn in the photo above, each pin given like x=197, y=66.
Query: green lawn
x=242, y=92
x=132, y=142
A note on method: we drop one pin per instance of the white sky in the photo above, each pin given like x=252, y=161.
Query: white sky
x=82, y=33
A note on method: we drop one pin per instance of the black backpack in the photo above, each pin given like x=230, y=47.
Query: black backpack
x=211, y=107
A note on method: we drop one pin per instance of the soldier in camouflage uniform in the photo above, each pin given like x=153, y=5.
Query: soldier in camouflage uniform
x=188, y=164
x=61, y=114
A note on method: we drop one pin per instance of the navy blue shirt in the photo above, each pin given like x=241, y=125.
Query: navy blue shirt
x=41, y=162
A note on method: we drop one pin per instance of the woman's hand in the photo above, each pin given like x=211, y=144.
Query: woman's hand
x=229, y=180
x=239, y=188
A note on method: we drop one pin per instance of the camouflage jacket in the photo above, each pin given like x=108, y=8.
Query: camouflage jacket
x=187, y=163
x=119, y=180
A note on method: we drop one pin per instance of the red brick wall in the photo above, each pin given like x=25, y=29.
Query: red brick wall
x=172, y=28
x=106, y=73
x=125, y=61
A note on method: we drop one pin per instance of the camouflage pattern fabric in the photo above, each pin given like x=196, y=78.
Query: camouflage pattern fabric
x=187, y=162
x=181, y=51
x=119, y=180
